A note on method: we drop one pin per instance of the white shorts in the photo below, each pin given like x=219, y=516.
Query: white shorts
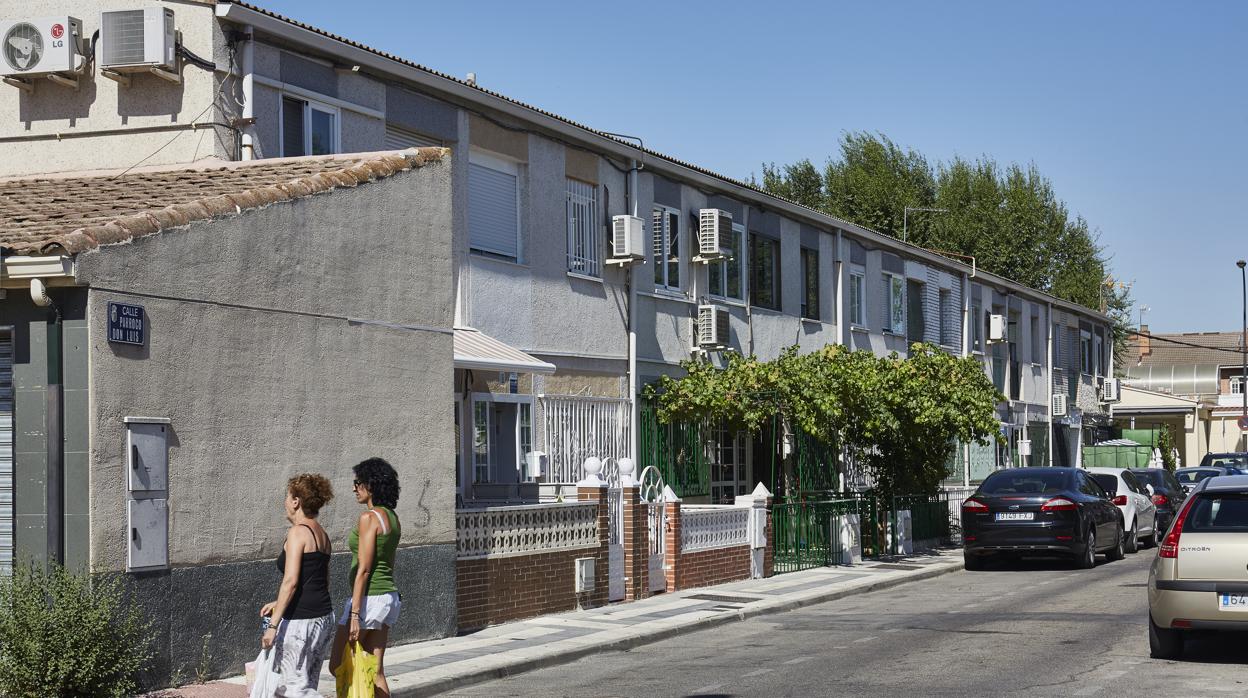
x=375, y=612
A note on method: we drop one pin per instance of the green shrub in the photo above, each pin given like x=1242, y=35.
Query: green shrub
x=67, y=634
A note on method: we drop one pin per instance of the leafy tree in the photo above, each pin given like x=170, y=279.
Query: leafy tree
x=1165, y=444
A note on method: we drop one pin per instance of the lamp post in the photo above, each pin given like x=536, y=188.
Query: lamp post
x=1243, y=346
x=905, y=215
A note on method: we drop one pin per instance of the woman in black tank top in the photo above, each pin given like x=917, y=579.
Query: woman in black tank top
x=302, y=616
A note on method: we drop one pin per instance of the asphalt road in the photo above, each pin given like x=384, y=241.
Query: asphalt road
x=1029, y=628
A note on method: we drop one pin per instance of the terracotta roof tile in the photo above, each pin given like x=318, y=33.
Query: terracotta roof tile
x=75, y=212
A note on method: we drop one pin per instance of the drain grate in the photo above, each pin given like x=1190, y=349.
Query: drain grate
x=893, y=566
x=722, y=599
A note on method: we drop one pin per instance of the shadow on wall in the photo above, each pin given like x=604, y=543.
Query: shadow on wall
x=149, y=95
x=53, y=102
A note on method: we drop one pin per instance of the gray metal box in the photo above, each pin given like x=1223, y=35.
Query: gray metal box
x=148, y=533
x=147, y=454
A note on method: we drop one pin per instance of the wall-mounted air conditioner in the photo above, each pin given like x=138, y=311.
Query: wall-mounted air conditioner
x=42, y=47
x=137, y=40
x=1059, y=405
x=713, y=329
x=714, y=234
x=996, y=328
x=1111, y=390
x=627, y=240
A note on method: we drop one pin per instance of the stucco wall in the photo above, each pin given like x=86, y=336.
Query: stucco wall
x=253, y=357
x=100, y=103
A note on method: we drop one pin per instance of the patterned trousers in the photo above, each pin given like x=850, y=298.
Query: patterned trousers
x=302, y=647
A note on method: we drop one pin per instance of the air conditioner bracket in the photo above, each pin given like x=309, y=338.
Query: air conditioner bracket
x=27, y=86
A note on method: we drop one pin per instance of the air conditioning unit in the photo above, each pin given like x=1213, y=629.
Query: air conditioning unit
x=137, y=40
x=713, y=329
x=40, y=47
x=1111, y=390
x=714, y=234
x=996, y=328
x=1059, y=405
x=627, y=239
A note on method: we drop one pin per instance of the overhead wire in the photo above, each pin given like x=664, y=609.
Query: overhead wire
x=1167, y=340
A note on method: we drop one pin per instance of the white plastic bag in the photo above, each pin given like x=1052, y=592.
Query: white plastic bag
x=267, y=677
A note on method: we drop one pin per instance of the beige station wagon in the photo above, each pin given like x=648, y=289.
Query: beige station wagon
x=1199, y=580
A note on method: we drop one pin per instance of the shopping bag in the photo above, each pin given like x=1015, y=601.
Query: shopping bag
x=264, y=676
x=356, y=674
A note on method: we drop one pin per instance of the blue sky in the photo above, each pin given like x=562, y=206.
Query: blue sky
x=1137, y=111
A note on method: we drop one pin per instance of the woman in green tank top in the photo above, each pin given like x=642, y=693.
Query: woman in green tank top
x=374, y=604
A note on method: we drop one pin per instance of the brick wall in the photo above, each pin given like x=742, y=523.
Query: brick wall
x=707, y=567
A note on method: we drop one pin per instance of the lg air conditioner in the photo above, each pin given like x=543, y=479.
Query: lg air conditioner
x=1110, y=390
x=996, y=328
x=1059, y=405
x=43, y=47
x=714, y=234
x=141, y=40
x=713, y=329
x=627, y=239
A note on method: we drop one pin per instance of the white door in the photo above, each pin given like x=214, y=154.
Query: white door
x=615, y=547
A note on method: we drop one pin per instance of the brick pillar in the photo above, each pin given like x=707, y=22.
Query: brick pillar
x=602, y=556
x=636, y=545
x=671, y=553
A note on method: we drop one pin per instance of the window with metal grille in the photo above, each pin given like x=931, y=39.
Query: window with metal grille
x=725, y=275
x=665, y=232
x=810, y=284
x=764, y=271
x=494, y=206
x=582, y=221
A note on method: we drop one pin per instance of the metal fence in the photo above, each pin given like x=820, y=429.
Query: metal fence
x=677, y=450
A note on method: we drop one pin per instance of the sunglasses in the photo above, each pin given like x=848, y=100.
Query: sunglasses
x=355, y=484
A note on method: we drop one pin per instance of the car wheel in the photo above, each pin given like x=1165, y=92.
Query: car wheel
x=1118, y=551
x=1087, y=559
x=1164, y=643
x=1154, y=539
x=1133, y=539
x=972, y=563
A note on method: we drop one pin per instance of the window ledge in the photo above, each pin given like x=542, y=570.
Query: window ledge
x=890, y=333
x=584, y=277
x=860, y=328
x=490, y=257
x=667, y=295
x=724, y=300
x=812, y=320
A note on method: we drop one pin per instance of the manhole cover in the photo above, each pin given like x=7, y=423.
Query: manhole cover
x=891, y=566
x=722, y=599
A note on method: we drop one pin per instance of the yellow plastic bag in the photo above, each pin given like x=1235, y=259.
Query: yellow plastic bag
x=356, y=674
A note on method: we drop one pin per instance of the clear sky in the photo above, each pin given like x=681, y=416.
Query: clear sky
x=1136, y=111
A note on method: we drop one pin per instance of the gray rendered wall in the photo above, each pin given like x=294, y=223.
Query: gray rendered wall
x=263, y=352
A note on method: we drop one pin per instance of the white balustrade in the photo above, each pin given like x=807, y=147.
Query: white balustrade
x=707, y=527
x=525, y=530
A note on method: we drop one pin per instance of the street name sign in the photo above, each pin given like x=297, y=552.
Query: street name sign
x=126, y=324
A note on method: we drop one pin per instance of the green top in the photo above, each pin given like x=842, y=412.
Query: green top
x=382, y=579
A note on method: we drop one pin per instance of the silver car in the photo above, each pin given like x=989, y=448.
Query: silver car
x=1199, y=579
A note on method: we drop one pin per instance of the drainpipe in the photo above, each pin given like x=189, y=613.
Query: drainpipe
x=966, y=351
x=842, y=338
x=248, y=147
x=1048, y=368
x=630, y=280
x=53, y=419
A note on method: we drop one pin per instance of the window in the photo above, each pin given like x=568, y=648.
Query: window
x=948, y=337
x=1085, y=352
x=494, y=206
x=526, y=437
x=308, y=128
x=401, y=138
x=977, y=328
x=857, y=309
x=666, y=232
x=1220, y=512
x=582, y=216
x=916, y=323
x=764, y=271
x=725, y=275
x=480, y=441
x=810, y=283
x=1237, y=385
x=1057, y=346
x=895, y=304
x=1037, y=342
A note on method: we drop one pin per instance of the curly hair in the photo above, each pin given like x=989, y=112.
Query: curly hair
x=313, y=491
x=381, y=480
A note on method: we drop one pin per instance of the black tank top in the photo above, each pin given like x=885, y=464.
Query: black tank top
x=311, y=598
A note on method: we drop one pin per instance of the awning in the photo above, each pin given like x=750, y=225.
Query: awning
x=476, y=350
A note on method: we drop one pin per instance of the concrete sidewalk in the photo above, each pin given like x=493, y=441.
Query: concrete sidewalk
x=427, y=668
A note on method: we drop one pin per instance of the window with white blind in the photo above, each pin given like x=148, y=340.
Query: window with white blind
x=401, y=138
x=494, y=206
x=857, y=303
x=583, y=230
x=665, y=232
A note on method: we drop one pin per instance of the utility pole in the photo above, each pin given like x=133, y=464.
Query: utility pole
x=1243, y=346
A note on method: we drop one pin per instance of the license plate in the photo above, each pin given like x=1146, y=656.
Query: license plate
x=1015, y=516
x=1233, y=602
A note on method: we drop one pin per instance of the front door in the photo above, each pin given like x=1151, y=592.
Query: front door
x=730, y=471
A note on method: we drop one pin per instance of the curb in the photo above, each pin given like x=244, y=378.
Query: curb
x=521, y=666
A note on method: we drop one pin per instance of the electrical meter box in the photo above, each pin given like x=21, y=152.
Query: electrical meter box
x=147, y=454
x=148, y=530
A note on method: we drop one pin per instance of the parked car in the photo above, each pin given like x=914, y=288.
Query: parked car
x=1168, y=494
x=1198, y=580
x=1134, y=501
x=1041, y=511
x=1188, y=477
x=1236, y=460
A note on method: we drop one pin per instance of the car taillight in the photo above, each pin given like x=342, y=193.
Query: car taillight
x=1120, y=500
x=1161, y=500
x=1170, y=546
x=974, y=506
x=1059, y=504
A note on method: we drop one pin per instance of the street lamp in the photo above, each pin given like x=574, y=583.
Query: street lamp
x=1243, y=346
x=905, y=215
